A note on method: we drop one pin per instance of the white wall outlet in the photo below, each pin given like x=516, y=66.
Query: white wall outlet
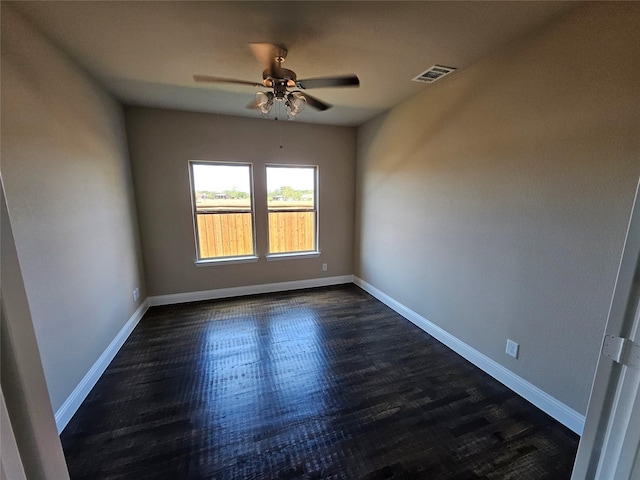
x=512, y=348
x=324, y=267
x=136, y=294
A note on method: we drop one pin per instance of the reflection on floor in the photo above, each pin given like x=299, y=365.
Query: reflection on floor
x=320, y=383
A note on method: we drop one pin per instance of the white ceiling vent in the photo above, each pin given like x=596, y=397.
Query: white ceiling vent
x=433, y=73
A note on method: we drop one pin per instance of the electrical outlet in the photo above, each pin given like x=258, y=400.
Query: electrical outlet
x=512, y=348
x=324, y=267
x=136, y=294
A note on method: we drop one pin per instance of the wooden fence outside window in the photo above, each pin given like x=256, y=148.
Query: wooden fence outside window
x=231, y=234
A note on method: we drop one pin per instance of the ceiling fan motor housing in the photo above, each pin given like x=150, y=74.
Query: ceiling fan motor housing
x=271, y=77
x=280, y=89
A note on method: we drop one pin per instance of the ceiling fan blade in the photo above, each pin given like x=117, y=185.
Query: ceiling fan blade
x=313, y=101
x=210, y=79
x=323, y=82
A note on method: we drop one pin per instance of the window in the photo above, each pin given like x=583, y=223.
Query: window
x=222, y=210
x=292, y=209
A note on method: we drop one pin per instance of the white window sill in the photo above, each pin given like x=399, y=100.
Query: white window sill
x=291, y=256
x=210, y=262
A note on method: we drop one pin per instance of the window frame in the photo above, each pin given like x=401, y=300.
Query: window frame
x=316, y=209
x=199, y=261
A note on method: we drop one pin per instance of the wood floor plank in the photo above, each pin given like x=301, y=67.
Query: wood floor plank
x=319, y=383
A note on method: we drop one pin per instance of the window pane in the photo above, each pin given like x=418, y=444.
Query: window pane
x=224, y=234
x=223, y=210
x=292, y=232
x=291, y=202
x=291, y=187
x=222, y=187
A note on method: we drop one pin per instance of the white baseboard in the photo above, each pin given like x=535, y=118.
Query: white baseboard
x=545, y=402
x=248, y=290
x=553, y=407
x=73, y=402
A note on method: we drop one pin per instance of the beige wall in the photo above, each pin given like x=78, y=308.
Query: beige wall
x=495, y=203
x=161, y=142
x=70, y=200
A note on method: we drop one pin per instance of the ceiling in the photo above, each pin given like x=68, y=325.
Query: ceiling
x=146, y=53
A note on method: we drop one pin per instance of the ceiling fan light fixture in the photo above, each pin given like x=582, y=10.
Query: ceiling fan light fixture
x=264, y=101
x=295, y=104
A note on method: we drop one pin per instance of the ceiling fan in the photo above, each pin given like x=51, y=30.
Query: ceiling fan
x=280, y=80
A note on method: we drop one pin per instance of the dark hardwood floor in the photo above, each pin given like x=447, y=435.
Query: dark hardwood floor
x=320, y=383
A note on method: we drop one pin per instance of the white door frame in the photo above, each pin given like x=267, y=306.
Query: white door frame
x=608, y=448
x=10, y=462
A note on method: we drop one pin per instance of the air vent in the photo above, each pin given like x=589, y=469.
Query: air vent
x=433, y=73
